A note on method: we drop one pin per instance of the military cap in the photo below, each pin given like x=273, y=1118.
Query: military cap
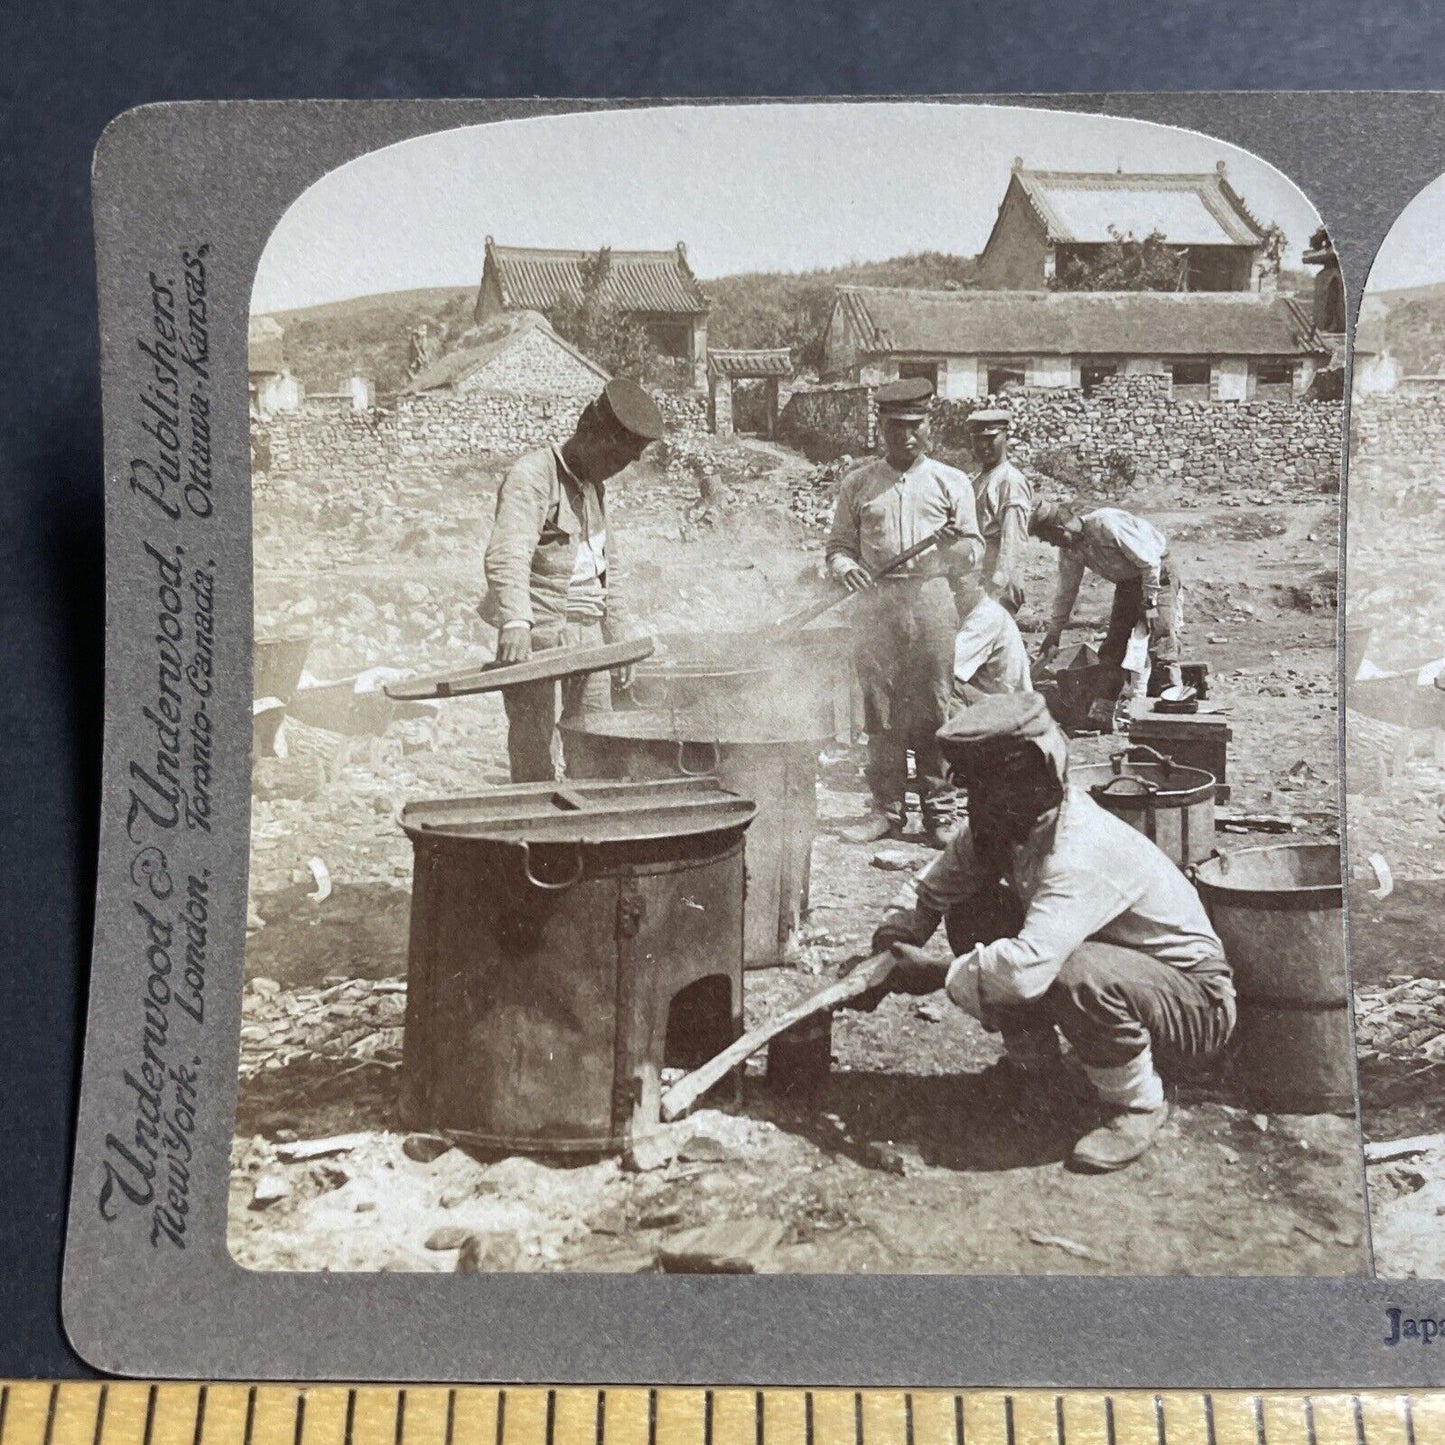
x=1003, y=717
x=907, y=400
x=1046, y=514
x=990, y=418
x=1009, y=722
x=628, y=406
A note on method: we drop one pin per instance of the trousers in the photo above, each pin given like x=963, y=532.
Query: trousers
x=1128, y=610
x=534, y=747
x=1109, y=1002
x=904, y=655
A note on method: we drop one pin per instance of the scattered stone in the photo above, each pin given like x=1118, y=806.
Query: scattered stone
x=1230, y=1156
x=266, y=987
x=304, y=1149
x=1057, y=1241
x=612, y=1220
x=453, y=1197
x=449, y=1236
x=733, y=1246
x=1260, y=1122
x=327, y=1177
x=704, y=1149
x=651, y=1151
x=885, y=1157
x=424, y=1148
x=488, y=1253
x=365, y=1206
x=270, y=1189
x=286, y=1136
x=931, y=1010
x=892, y=860
x=660, y=1219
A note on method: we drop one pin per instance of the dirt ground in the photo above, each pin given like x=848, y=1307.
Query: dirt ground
x=899, y=1163
x=1397, y=813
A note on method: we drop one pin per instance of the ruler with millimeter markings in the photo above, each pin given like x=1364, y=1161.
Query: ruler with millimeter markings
x=136, y=1413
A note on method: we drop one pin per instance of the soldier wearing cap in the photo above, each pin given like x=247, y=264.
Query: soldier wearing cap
x=1005, y=498
x=1061, y=919
x=550, y=567
x=906, y=622
x=1133, y=554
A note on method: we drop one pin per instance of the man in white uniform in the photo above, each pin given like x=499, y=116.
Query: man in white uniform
x=1005, y=500
x=1063, y=919
x=989, y=656
x=906, y=622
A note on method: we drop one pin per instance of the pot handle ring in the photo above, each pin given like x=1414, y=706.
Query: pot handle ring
x=682, y=746
x=1163, y=759
x=1215, y=856
x=1138, y=787
x=542, y=883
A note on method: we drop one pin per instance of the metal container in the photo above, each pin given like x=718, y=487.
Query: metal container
x=1278, y=912
x=1195, y=740
x=1171, y=805
x=753, y=677
x=774, y=765
x=567, y=943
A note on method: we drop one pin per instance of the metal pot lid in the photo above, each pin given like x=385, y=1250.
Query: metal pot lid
x=582, y=812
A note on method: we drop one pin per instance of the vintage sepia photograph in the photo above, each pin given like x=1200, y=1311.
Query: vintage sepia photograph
x=1395, y=736
x=795, y=719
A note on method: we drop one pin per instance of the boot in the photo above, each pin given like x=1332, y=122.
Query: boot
x=873, y=829
x=1120, y=1140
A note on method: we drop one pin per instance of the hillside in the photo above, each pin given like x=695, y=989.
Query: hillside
x=771, y=308
x=368, y=335
x=1414, y=326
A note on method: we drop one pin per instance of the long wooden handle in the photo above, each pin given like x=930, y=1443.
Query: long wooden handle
x=689, y=1089
x=795, y=621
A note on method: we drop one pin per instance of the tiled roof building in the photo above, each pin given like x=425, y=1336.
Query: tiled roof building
x=1049, y=218
x=656, y=288
x=1227, y=346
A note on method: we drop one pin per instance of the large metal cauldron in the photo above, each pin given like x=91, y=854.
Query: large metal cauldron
x=773, y=762
x=1278, y=912
x=1171, y=805
x=566, y=943
x=744, y=677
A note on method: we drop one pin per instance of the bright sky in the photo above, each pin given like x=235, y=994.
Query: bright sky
x=748, y=187
x=1413, y=251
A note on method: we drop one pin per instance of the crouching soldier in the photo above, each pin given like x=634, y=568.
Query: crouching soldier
x=1131, y=553
x=549, y=567
x=1063, y=919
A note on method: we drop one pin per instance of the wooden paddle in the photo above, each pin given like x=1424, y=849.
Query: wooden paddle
x=688, y=1090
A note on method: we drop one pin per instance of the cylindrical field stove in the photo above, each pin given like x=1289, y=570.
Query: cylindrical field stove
x=567, y=943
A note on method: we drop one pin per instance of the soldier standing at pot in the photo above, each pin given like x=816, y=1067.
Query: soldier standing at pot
x=907, y=621
x=549, y=567
x=1005, y=499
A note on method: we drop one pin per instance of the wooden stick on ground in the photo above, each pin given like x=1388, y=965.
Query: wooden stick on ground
x=689, y=1089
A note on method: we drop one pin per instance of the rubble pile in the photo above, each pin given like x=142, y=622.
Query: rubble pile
x=357, y=1021
x=814, y=496
x=1404, y=1020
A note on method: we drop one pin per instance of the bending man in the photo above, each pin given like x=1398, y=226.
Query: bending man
x=1063, y=919
x=548, y=566
x=1132, y=554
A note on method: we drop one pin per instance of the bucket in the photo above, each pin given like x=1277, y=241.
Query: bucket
x=775, y=765
x=1171, y=805
x=1278, y=912
x=567, y=943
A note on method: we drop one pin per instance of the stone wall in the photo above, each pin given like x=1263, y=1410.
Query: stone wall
x=438, y=427
x=828, y=422
x=1408, y=424
x=533, y=365
x=1129, y=424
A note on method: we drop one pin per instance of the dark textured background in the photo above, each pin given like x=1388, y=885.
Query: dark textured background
x=66, y=70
